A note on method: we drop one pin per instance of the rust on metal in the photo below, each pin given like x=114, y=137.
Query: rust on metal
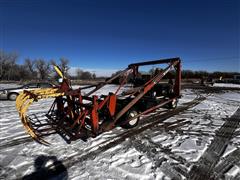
x=74, y=115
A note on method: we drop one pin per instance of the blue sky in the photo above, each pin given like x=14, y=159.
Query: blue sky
x=110, y=34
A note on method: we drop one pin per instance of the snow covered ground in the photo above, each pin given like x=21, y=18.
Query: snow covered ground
x=226, y=85
x=156, y=153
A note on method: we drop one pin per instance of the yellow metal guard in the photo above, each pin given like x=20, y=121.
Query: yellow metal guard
x=25, y=99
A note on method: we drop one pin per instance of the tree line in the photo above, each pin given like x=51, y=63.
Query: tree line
x=36, y=69
x=42, y=69
x=189, y=74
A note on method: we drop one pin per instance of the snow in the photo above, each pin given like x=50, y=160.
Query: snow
x=150, y=154
x=233, y=172
x=226, y=85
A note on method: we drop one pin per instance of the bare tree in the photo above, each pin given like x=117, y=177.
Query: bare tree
x=79, y=73
x=64, y=65
x=30, y=65
x=83, y=74
x=86, y=75
x=7, y=65
x=23, y=73
x=53, y=62
x=43, y=68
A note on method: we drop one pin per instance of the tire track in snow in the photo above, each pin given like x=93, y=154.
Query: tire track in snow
x=185, y=106
x=227, y=163
x=155, y=151
x=205, y=166
x=157, y=120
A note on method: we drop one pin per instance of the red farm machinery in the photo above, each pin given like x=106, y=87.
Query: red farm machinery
x=77, y=115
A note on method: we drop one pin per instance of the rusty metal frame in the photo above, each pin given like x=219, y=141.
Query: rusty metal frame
x=74, y=112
